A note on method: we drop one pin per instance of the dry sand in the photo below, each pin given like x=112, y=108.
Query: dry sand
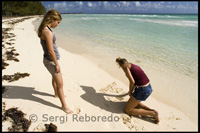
x=92, y=93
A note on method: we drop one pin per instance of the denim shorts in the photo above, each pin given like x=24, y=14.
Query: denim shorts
x=50, y=65
x=142, y=93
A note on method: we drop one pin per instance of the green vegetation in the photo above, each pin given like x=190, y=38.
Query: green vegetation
x=22, y=8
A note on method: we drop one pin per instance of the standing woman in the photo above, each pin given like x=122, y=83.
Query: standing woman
x=51, y=54
x=140, y=83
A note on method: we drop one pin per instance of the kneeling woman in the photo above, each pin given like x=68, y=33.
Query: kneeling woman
x=140, y=84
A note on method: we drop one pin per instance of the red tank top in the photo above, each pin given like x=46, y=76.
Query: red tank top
x=138, y=75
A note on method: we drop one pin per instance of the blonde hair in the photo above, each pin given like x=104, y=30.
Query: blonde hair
x=51, y=14
x=121, y=61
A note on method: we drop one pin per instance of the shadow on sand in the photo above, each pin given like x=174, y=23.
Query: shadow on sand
x=26, y=93
x=97, y=99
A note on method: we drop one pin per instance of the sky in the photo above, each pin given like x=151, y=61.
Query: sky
x=184, y=7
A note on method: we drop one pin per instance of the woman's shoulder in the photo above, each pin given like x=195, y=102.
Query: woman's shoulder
x=46, y=32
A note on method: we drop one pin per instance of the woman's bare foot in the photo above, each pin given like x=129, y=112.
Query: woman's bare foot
x=67, y=110
x=156, y=116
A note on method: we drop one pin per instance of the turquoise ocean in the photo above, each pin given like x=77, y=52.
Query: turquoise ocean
x=158, y=42
x=167, y=40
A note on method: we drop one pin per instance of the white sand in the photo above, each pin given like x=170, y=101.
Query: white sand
x=87, y=88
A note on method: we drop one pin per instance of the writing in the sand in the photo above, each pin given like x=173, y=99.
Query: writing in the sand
x=80, y=118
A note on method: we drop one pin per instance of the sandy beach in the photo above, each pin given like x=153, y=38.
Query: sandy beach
x=96, y=98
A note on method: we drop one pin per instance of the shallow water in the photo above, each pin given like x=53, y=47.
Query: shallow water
x=167, y=40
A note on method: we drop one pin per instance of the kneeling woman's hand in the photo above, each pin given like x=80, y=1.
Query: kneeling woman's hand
x=131, y=91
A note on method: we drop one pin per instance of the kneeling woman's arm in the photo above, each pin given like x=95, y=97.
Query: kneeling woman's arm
x=131, y=80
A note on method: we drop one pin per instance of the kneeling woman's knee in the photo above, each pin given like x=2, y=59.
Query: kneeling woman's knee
x=127, y=111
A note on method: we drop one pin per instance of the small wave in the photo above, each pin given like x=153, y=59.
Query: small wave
x=143, y=15
x=171, y=22
x=89, y=18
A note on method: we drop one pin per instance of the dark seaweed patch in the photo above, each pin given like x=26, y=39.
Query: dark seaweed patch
x=15, y=77
x=19, y=123
x=10, y=55
x=50, y=128
x=19, y=20
x=4, y=64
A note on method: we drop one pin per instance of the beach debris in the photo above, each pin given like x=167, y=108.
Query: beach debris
x=19, y=123
x=178, y=118
x=5, y=30
x=39, y=128
x=138, y=61
x=10, y=55
x=3, y=107
x=12, y=40
x=50, y=128
x=45, y=128
x=77, y=110
x=5, y=33
x=18, y=20
x=4, y=64
x=15, y=77
x=8, y=43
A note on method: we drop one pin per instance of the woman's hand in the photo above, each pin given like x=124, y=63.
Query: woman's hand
x=58, y=68
x=130, y=93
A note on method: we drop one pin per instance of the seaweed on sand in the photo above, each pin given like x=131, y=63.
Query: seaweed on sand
x=50, y=128
x=19, y=123
x=4, y=64
x=14, y=77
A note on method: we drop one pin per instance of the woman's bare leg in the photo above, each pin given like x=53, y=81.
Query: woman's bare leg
x=141, y=105
x=59, y=83
x=131, y=109
x=55, y=87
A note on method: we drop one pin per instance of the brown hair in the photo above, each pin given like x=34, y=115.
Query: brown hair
x=51, y=14
x=121, y=61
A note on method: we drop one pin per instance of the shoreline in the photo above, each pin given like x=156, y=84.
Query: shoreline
x=162, y=79
x=85, y=89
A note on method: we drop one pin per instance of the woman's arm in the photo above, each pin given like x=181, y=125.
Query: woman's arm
x=49, y=42
x=131, y=80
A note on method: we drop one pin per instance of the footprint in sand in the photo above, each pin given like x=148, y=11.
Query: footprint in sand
x=125, y=118
x=129, y=122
